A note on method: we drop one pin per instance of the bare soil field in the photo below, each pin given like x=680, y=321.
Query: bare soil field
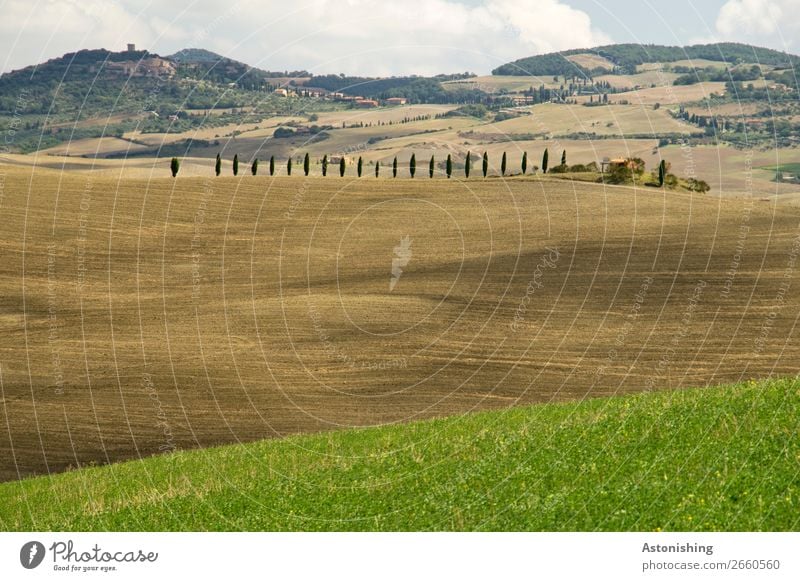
x=143, y=315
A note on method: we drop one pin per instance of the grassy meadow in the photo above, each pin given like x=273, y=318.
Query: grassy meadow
x=721, y=458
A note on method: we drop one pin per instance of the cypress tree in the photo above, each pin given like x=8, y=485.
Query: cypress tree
x=360, y=166
x=289, y=166
x=254, y=167
x=412, y=165
x=272, y=165
x=306, y=164
x=485, y=163
x=218, y=165
x=431, y=166
x=377, y=168
x=564, y=157
x=503, y=164
x=174, y=166
x=324, y=165
x=545, y=158
x=341, y=167
x=236, y=164
x=662, y=173
x=466, y=165
x=394, y=168
x=449, y=166
x=524, y=162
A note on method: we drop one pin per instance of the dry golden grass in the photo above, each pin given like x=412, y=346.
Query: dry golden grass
x=644, y=79
x=141, y=314
x=511, y=83
x=671, y=95
x=591, y=61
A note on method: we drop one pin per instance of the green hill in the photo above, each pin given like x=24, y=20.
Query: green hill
x=724, y=458
x=628, y=56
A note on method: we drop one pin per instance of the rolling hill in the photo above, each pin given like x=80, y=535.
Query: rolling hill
x=696, y=460
x=627, y=57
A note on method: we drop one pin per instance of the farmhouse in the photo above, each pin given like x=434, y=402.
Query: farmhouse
x=609, y=164
x=366, y=103
x=396, y=101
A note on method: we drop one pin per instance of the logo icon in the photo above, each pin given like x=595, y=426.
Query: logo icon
x=31, y=554
x=402, y=256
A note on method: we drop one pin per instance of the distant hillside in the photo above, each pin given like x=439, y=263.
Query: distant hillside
x=626, y=57
x=100, y=80
x=196, y=55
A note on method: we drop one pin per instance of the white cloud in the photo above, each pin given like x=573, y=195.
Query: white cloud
x=764, y=22
x=351, y=36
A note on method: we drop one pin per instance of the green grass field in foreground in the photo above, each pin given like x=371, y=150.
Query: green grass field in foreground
x=702, y=459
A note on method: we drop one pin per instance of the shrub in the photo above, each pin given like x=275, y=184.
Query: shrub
x=698, y=186
x=283, y=132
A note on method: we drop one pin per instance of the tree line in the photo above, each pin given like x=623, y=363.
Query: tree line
x=412, y=165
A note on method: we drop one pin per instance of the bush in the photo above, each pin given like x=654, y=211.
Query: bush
x=283, y=132
x=562, y=168
x=579, y=168
x=479, y=111
x=618, y=175
x=504, y=116
x=698, y=186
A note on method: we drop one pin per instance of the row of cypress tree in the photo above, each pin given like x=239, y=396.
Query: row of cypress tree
x=412, y=165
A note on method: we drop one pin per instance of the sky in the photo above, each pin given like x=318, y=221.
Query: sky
x=380, y=37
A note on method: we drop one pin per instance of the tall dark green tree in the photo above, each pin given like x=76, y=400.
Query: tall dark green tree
x=306, y=164
x=503, y=164
x=342, y=166
x=394, y=168
x=449, y=166
x=662, y=173
x=272, y=165
x=236, y=164
x=524, y=166
x=324, y=165
x=254, y=167
x=377, y=168
x=485, y=163
x=360, y=166
x=431, y=167
x=174, y=166
x=412, y=165
x=218, y=165
x=467, y=163
x=564, y=157
x=545, y=159
x=289, y=166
